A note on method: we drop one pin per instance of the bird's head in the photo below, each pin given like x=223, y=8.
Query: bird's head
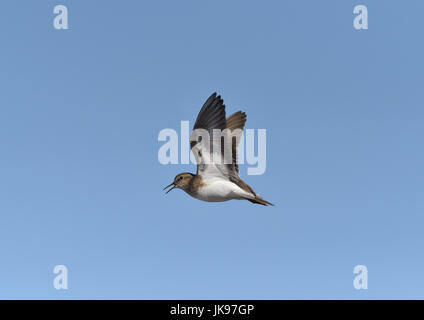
x=181, y=181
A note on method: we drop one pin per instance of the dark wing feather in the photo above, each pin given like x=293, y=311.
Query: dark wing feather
x=211, y=116
x=236, y=121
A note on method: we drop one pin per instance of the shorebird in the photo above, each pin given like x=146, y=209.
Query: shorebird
x=215, y=149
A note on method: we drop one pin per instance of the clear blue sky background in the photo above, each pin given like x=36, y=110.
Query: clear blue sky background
x=80, y=183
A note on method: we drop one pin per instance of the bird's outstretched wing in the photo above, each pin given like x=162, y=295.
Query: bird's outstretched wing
x=214, y=139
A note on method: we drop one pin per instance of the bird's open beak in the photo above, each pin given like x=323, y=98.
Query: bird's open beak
x=172, y=184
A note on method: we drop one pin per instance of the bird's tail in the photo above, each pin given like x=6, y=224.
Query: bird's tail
x=259, y=200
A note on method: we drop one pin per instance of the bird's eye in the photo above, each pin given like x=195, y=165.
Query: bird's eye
x=181, y=178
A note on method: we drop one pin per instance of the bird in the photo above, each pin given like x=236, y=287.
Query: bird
x=217, y=178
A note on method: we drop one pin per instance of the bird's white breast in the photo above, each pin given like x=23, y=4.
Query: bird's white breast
x=217, y=190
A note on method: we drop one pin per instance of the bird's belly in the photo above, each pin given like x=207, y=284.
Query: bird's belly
x=218, y=191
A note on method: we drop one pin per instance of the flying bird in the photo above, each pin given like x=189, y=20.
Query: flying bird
x=217, y=178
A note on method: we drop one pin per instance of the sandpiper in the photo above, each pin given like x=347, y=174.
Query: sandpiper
x=216, y=179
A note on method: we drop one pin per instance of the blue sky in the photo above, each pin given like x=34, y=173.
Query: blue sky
x=81, y=109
